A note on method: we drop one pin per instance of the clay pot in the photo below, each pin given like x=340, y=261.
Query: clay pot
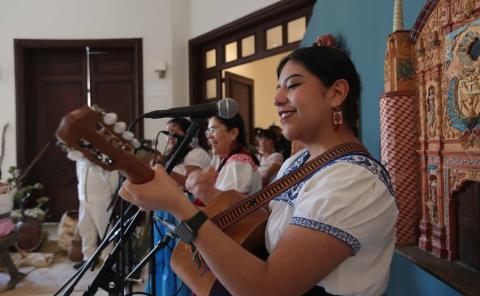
x=29, y=234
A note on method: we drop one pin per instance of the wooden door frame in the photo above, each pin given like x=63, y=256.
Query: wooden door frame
x=251, y=83
x=253, y=23
x=21, y=46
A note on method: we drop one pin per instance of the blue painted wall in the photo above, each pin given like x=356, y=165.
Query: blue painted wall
x=362, y=27
x=407, y=278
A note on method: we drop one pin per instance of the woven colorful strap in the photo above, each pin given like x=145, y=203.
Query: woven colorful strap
x=246, y=206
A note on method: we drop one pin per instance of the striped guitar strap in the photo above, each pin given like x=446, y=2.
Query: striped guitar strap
x=246, y=206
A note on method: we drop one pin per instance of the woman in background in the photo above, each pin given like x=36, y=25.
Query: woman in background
x=235, y=166
x=284, y=146
x=270, y=160
x=194, y=158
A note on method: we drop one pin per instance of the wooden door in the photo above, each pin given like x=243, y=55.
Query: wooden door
x=240, y=88
x=55, y=85
x=51, y=80
x=469, y=224
x=113, y=81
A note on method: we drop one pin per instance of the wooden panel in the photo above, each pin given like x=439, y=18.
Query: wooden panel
x=116, y=96
x=469, y=224
x=56, y=86
x=113, y=82
x=241, y=89
x=114, y=66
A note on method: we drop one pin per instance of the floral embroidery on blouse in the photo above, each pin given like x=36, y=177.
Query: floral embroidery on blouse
x=333, y=231
x=363, y=160
x=243, y=158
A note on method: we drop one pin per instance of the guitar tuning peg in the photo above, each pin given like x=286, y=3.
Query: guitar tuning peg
x=136, y=143
x=62, y=145
x=119, y=127
x=74, y=155
x=128, y=135
x=98, y=109
x=110, y=118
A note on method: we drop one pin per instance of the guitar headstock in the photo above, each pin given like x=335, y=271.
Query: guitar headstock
x=94, y=134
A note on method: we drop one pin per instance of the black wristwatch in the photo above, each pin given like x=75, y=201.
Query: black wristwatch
x=187, y=230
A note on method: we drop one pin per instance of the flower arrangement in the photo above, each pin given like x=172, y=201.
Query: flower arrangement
x=22, y=195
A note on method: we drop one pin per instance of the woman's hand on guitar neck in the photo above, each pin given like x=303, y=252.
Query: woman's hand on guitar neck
x=161, y=193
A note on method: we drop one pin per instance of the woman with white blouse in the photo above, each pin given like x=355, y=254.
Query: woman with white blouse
x=270, y=160
x=332, y=233
x=195, y=158
x=234, y=167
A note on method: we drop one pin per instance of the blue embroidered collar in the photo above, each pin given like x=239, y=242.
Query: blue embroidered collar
x=363, y=160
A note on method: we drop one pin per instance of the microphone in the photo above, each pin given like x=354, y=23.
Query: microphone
x=225, y=108
x=174, y=135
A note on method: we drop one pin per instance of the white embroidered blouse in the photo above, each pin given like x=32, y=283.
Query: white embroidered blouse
x=196, y=157
x=265, y=162
x=350, y=198
x=239, y=173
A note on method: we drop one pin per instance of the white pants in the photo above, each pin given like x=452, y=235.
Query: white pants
x=92, y=222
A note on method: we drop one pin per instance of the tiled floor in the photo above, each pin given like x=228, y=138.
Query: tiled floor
x=47, y=280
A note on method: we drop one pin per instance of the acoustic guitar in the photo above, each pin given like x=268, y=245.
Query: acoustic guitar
x=93, y=133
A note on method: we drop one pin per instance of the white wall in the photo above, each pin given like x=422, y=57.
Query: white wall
x=263, y=72
x=164, y=25
x=211, y=14
x=150, y=20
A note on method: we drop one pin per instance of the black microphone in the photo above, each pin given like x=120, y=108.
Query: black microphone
x=176, y=136
x=225, y=108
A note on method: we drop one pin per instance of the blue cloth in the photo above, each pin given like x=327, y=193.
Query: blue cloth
x=167, y=283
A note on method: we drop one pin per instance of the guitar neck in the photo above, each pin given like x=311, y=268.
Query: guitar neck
x=137, y=172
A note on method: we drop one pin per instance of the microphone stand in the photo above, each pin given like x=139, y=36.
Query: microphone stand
x=108, y=238
x=180, y=150
x=105, y=278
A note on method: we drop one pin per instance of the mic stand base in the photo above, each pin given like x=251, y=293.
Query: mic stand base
x=108, y=281
x=104, y=278
x=73, y=281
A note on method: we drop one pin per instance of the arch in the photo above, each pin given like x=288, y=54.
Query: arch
x=422, y=18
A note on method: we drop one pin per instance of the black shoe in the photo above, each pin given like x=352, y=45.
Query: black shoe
x=79, y=264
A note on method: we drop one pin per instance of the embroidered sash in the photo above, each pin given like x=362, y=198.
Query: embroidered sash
x=246, y=206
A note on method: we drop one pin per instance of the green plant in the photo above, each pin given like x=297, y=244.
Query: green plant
x=22, y=196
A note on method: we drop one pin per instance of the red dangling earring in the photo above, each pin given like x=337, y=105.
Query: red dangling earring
x=337, y=118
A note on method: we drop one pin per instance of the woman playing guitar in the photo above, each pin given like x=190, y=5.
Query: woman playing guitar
x=332, y=233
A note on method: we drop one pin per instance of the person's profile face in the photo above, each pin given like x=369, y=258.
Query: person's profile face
x=220, y=138
x=302, y=102
x=174, y=128
x=266, y=145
